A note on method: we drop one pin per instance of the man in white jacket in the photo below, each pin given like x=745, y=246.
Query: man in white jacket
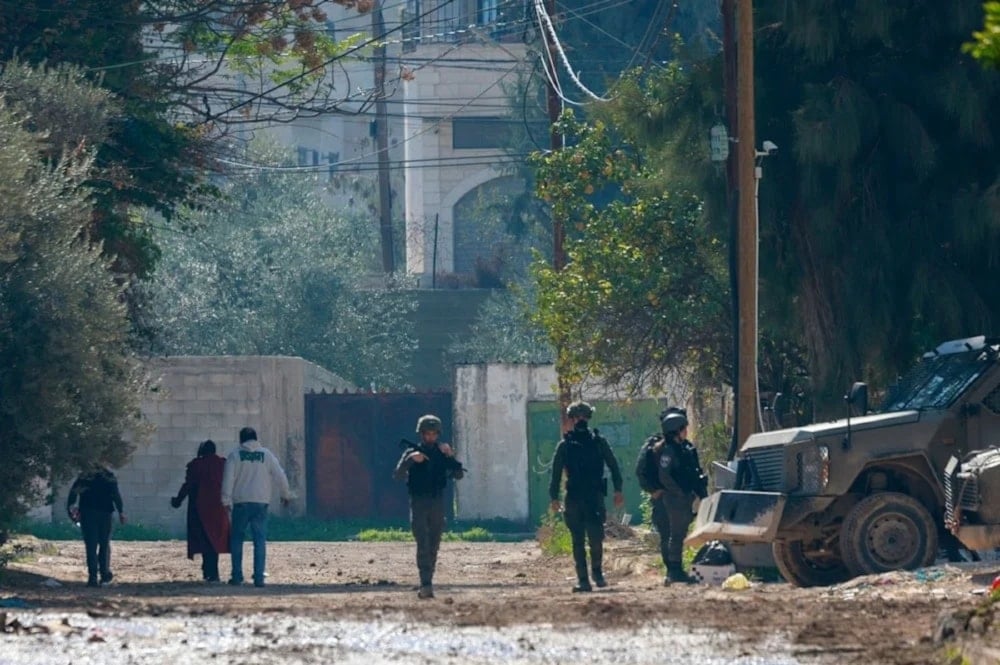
x=248, y=481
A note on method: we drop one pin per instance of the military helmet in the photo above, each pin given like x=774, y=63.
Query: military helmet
x=427, y=423
x=579, y=409
x=673, y=422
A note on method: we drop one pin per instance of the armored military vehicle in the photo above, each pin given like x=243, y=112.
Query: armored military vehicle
x=875, y=491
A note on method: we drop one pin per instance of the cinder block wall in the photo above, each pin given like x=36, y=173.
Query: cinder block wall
x=212, y=397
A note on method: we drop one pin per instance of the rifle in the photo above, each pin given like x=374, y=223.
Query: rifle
x=406, y=444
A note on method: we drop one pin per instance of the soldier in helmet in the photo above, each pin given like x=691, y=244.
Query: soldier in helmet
x=426, y=466
x=582, y=455
x=668, y=468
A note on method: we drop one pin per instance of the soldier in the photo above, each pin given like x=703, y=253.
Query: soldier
x=583, y=454
x=426, y=466
x=668, y=468
x=97, y=489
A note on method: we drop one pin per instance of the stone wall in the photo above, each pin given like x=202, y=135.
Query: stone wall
x=212, y=397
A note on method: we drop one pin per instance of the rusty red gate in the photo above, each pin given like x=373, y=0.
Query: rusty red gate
x=352, y=446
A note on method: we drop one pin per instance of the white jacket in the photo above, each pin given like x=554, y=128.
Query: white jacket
x=251, y=473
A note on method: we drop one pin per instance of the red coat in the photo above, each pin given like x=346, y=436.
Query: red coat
x=207, y=519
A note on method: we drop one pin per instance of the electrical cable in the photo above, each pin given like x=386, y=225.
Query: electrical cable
x=311, y=70
x=544, y=16
x=431, y=126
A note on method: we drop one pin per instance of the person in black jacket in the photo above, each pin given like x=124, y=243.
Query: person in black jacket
x=426, y=466
x=97, y=490
x=582, y=454
x=668, y=468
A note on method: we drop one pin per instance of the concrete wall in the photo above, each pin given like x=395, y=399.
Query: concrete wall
x=212, y=397
x=491, y=433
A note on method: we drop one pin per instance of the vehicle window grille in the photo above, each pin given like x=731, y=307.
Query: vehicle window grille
x=768, y=468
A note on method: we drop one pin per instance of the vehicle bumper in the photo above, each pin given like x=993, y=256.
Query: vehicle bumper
x=738, y=516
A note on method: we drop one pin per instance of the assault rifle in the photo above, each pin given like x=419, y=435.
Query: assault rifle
x=406, y=444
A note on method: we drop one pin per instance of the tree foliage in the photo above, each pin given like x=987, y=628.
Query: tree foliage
x=985, y=44
x=273, y=270
x=184, y=71
x=69, y=387
x=642, y=295
x=878, y=217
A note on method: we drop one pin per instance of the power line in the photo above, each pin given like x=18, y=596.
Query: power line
x=320, y=66
x=546, y=21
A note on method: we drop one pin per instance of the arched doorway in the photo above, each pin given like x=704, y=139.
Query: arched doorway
x=484, y=244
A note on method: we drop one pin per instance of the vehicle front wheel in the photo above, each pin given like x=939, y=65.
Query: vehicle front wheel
x=804, y=563
x=888, y=531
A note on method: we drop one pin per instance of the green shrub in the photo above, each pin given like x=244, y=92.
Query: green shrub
x=384, y=536
x=554, y=536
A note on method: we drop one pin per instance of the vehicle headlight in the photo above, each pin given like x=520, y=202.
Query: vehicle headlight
x=814, y=469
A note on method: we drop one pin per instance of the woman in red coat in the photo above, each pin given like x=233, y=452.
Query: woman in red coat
x=207, y=519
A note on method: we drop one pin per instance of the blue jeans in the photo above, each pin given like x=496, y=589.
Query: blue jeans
x=253, y=515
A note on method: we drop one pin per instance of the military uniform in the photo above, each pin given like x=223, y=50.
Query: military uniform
x=426, y=482
x=670, y=465
x=582, y=454
x=99, y=496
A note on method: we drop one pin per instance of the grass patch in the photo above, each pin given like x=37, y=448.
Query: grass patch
x=68, y=531
x=473, y=535
x=553, y=535
x=286, y=529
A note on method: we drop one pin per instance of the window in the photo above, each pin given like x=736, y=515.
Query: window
x=482, y=133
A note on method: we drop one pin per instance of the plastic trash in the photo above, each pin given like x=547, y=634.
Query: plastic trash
x=996, y=584
x=737, y=582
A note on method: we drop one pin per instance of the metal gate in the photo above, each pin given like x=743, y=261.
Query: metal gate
x=624, y=425
x=352, y=447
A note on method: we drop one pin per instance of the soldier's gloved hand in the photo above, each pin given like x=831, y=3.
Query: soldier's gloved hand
x=418, y=457
x=619, y=500
x=446, y=449
x=175, y=502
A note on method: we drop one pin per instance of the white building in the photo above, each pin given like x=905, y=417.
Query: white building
x=452, y=66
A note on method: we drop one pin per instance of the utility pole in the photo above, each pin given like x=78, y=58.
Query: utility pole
x=555, y=138
x=382, y=142
x=730, y=97
x=746, y=388
x=558, y=229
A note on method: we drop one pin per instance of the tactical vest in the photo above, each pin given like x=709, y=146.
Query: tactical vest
x=429, y=478
x=584, y=463
x=649, y=466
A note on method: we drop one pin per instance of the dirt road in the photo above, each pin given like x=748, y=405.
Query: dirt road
x=497, y=602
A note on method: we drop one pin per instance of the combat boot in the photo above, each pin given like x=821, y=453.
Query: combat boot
x=676, y=574
x=426, y=591
x=583, y=586
x=599, y=580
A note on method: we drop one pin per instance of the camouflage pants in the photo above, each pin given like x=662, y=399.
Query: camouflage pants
x=585, y=521
x=672, y=517
x=427, y=522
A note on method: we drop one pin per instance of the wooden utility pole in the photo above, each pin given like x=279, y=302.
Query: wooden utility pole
x=746, y=389
x=728, y=11
x=558, y=228
x=555, y=138
x=382, y=142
